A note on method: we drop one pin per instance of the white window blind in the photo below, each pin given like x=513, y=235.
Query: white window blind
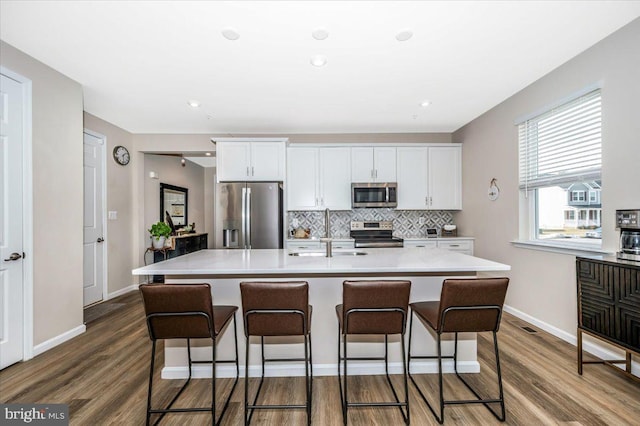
x=563, y=145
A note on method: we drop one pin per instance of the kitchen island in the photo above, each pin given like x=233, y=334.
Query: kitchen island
x=225, y=269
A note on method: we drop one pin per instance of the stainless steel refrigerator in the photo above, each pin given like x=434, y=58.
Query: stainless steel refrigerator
x=248, y=215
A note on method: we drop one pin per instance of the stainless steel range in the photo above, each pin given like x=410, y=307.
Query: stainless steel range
x=374, y=234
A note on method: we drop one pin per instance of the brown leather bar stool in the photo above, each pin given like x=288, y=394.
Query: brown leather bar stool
x=465, y=305
x=277, y=309
x=373, y=307
x=186, y=311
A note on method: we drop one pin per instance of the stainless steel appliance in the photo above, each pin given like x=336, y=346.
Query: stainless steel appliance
x=366, y=194
x=249, y=215
x=628, y=221
x=374, y=234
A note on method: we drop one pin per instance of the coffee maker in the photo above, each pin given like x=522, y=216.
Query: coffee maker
x=628, y=221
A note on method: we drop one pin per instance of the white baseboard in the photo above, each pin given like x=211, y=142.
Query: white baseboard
x=53, y=342
x=359, y=369
x=122, y=291
x=567, y=337
x=600, y=351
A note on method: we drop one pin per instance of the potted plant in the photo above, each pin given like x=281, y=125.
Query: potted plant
x=159, y=233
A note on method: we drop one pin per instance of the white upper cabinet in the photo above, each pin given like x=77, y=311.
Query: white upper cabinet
x=373, y=164
x=302, y=186
x=445, y=178
x=335, y=178
x=318, y=178
x=243, y=160
x=430, y=178
x=412, y=181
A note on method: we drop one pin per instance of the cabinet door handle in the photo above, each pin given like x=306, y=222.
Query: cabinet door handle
x=248, y=171
x=454, y=245
x=376, y=173
x=252, y=171
x=100, y=240
x=430, y=201
x=371, y=173
x=426, y=201
x=321, y=201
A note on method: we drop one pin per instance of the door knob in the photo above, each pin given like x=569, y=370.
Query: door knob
x=13, y=256
x=99, y=240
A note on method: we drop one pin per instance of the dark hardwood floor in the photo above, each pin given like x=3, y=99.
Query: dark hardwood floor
x=103, y=374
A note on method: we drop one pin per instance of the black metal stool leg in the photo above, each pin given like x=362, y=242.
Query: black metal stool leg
x=153, y=359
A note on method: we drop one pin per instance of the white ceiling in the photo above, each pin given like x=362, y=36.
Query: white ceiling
x=140, y=62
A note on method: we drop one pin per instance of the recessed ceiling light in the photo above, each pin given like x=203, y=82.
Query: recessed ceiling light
x=230, y=33
x=208, y=154
x=404, y=35
x=425, y=103
x=193, y=104
x=318, y=60
x=320, y=33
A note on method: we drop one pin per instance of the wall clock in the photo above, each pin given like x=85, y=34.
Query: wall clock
x=121, y=155
x=494, y=191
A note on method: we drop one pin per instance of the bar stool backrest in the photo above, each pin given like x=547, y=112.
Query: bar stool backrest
x=471, y=305
x=383, y=294
x=178, y=310
x=275, y=296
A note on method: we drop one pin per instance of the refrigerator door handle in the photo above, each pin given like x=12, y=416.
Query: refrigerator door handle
x=248, y=219
x=244, y=218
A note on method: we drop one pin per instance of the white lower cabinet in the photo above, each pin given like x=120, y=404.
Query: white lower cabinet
x=421, y=243
x=347, y=244
x=462, y=245
x=303, y=244
x=293, y=245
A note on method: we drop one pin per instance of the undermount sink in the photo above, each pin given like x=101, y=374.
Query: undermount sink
x=323, y=254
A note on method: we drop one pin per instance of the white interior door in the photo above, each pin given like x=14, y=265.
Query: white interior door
x=93, y=270
x=11, y=239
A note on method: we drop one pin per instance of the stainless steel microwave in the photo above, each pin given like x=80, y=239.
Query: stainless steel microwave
x=365, y=194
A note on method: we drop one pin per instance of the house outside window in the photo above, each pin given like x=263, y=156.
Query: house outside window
x=577, y=196
x=560, y=168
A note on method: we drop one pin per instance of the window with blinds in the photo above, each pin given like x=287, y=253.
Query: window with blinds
x=563, y=145
x=560, y=164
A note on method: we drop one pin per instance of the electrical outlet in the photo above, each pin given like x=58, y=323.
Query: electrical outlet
x=422, y=221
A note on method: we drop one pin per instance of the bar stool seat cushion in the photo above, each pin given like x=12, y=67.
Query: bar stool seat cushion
x=172, y=299
x=293, y=295
x=428, y=312
x=373, y=295
x=222, y=314
x=472, y=293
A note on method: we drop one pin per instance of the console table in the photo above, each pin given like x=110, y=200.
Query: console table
x=609, y=306
x=180, y=245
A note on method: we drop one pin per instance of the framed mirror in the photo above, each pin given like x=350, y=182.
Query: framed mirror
x=173, y=205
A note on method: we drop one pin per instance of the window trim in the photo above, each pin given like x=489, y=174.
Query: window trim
x=528, y=214
x=556, y=247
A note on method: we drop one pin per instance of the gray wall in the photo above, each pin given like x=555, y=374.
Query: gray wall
x=543, y=284
x=57, y=195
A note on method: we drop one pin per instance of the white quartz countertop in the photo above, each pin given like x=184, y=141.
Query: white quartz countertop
x=401, y=261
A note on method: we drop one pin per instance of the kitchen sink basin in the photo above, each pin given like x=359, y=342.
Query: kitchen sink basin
x=323, y=254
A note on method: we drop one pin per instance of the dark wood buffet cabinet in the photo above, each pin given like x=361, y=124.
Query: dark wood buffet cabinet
x=609, y=306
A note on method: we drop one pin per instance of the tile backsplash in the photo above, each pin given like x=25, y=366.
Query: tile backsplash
x=406, y=223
